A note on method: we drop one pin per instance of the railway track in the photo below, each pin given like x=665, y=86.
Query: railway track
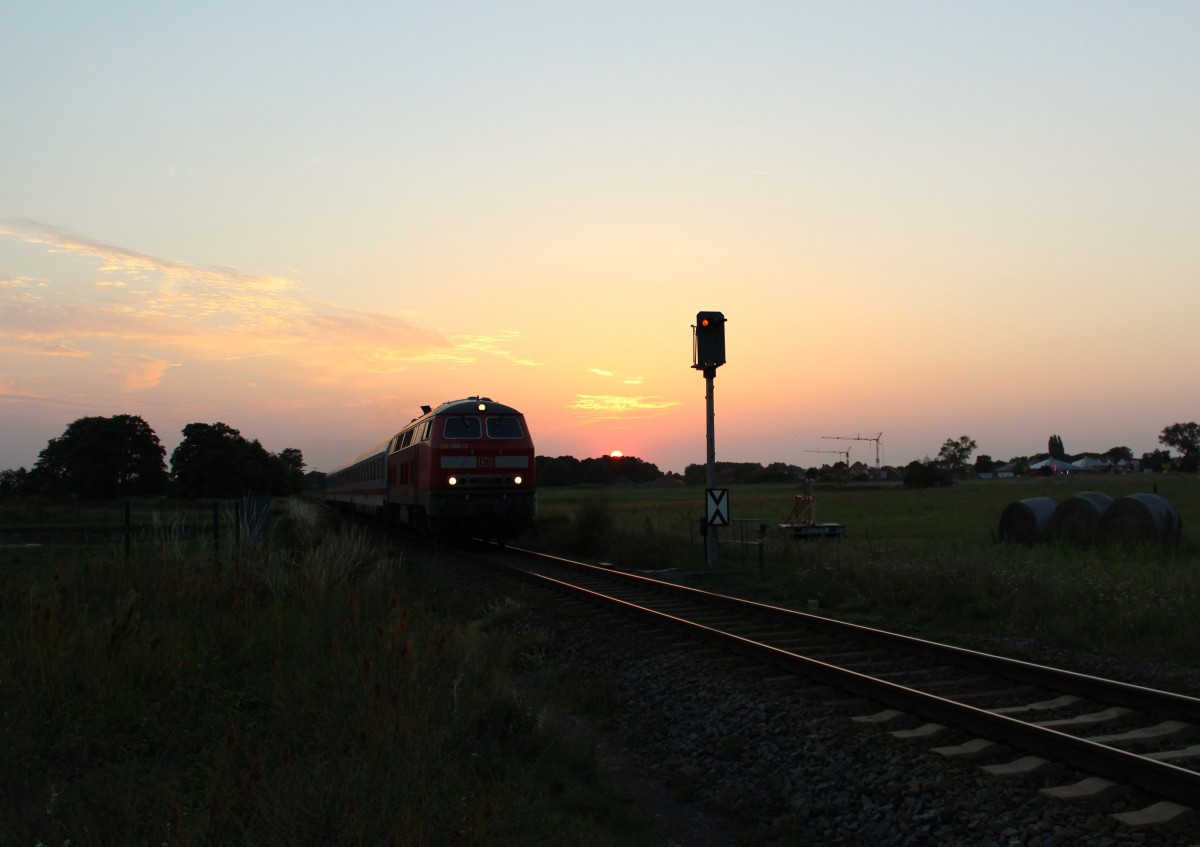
x=1114, y=732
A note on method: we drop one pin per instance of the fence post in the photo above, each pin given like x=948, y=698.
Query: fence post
x=216, y=532
x=128, y=533
x=762, y=540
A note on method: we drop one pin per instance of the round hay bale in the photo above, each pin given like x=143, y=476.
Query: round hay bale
x=1025, y=521
x=1141, y=518
x=1077, y=517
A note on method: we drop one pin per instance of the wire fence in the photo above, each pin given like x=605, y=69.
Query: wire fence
x=224, y=526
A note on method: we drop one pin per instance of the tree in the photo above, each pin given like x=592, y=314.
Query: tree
x=1116, y=454
x=12, y=483
x=1184, y=437
x=955, y=455
x=603, y=470
x=985, y=463
x=101, y=458
x=292, y=461
x=214, y=460
x=1158, y=460
x=1056, y=448
x=926, y=474
x=563, y=470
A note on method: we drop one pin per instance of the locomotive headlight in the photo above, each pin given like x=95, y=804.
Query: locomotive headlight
x=453, y=480
x=516, y=480
x=483, y=407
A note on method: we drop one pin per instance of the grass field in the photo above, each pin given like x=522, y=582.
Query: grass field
x=927, y=560
x=321, y=689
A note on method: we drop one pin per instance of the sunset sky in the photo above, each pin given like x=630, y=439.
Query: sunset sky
x=925, y=219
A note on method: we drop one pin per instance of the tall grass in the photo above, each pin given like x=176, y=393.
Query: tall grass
x=927, y=560
x=302, y=693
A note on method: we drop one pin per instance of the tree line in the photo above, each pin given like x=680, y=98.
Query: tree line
x=610, y=470
x=105, y=458
x=121, y=456
x=955, y=457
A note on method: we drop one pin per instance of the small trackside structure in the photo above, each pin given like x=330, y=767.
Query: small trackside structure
x=801, y=524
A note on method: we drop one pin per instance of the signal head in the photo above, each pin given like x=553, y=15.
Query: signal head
x=709, y=349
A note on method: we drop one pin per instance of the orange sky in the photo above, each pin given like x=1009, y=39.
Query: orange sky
x=921, y=222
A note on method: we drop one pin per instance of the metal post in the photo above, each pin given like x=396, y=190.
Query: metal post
x=128, y=533
x=762, y=539
x=712, y=544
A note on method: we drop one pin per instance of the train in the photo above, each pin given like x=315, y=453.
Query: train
x=464, y=468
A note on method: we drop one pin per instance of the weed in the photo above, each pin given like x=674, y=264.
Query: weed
x=926, y=559
x=299, y=691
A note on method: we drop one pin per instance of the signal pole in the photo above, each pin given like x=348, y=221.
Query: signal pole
x=708, y=354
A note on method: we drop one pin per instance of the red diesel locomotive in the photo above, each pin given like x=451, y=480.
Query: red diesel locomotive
x=465, y=467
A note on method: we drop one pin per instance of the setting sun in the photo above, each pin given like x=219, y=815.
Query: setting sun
x=616, y=454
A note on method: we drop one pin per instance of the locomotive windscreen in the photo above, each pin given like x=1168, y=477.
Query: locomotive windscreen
x=462, y=428
x=507, y=427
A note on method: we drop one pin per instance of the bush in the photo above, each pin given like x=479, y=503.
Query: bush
x=926, y=474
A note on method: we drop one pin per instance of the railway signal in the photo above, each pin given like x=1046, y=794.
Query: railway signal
x=709, y=348
x=708, y=354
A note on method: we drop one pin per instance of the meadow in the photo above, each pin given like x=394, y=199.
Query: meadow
x=318, y=688
x=926, y=561
x=322, y=687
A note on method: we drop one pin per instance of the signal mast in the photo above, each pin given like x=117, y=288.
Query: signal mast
x=708, y=354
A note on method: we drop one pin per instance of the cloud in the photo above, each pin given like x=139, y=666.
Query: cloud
x=45, y=347
x=19, y=282
x=617, y=403
x=492, y=345
x=139, y=373
x=176, y=312
x=628, y=380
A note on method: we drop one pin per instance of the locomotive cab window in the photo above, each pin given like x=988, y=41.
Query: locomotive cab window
x=462, y=428
x=506, y=427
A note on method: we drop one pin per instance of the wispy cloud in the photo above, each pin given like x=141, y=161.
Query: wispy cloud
x=19, y=282
x=627, y=380
x=177, y=312
x=138, y=373
x=492, y=345
x=618, y=403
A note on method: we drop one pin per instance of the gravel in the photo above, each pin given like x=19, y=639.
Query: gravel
x=786, y=765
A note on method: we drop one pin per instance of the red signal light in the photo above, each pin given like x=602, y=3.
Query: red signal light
x=708, y=350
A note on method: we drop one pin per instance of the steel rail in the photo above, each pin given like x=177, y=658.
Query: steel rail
x=1158, y=777
x=1115, y=692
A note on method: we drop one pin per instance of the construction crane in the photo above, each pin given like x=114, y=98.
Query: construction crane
x=860, y=437
x=845, y=453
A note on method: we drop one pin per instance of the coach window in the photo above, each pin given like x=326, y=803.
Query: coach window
x=506, y=427
x=462, y=427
